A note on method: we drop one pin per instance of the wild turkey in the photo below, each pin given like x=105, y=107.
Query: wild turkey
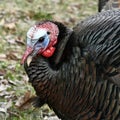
x=77, y=72
x=108, y=5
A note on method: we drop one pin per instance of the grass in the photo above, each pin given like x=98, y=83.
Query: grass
x=16, y=17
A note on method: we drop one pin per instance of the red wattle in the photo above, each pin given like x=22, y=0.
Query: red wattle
x=48, y=52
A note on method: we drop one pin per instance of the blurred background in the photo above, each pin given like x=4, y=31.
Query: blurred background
x=16, y=17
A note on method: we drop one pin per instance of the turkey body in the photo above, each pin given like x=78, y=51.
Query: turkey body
x=85, y=84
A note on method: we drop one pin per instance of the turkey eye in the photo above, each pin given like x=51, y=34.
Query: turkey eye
x=41, y=39
x=48, y=32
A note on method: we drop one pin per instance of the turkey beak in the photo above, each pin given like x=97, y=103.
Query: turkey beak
x=27, y=56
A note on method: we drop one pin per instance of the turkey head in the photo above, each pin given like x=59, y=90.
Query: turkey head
x=42, y=39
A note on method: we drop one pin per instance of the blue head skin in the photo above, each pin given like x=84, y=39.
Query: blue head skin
x=37, y=41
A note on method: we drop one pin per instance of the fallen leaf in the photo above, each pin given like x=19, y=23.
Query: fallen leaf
x=3, y=116
x=4, y=93
x=51, y=118
x=4, y=81
x=10, y=26
x=12, y=82
x=20, y=42
x=3, y=85
x=2, y=110
x=13, y=113
x=10, y=39
x=8, y=105
x=2, y=22
x=2, y=72
x=2, y=57
x=25, y=101
x=12, y=56
x=4, y=106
